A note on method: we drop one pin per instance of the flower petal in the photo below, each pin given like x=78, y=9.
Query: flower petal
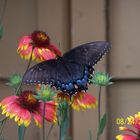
x=126, y=137
x=83, y=101
x=25, y=47
x=54, y=49
x=137, y=121
x=24, y=117
x=11, y=108
x=50, y=112
x=134, y=120
x=122, y=128
x=61, y=96
x=42, y=54
x=8, y=100
x=38, y=118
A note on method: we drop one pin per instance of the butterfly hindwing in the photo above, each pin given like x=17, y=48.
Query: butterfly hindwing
x=61, y=74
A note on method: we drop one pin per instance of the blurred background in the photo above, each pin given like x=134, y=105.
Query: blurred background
x=70, y=23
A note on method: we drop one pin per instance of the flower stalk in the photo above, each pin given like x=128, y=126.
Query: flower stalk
x=2, y=125
x=60, y=132
x=29, y=63
x=99, y=110
x=43, y=121
x=100, y=79
x=64, y=119
x=99, y=105
x=49, y=131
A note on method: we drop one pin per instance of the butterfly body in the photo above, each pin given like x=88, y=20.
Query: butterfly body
x=71, y=72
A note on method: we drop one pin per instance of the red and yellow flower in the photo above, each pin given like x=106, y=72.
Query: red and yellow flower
x=38, y=44
x=79, y=101
x=134, y=131
x=25, y=106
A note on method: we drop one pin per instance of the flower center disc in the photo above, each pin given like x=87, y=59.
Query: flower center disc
x=42, y=36
x=28, y=101
x=40, y=39
x=31, y=99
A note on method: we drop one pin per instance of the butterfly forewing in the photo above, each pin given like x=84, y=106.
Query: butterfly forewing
x=88, y=54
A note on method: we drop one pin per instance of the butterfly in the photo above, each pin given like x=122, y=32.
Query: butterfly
x=71, y=72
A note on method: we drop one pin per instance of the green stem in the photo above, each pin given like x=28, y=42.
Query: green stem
x=24, y=133
x=2, y=125
x=21, y=132
x=49, y=131
x=60, y=116
x=43, y=118
x=99, y=105
x=99, y=109
x=3, y=119
x=64, y=122
x=59, y=123
x=30, y=60
x=60, y=134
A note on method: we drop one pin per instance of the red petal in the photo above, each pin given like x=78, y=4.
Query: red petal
x=126, y=137
x=50, y=112
x=83, y=101
x=54, y=49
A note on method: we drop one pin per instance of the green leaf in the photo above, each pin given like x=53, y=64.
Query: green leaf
x=102, y=124
x=1, y=31
x=21, y=132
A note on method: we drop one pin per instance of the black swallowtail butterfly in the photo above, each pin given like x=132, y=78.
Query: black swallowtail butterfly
x=71, y=72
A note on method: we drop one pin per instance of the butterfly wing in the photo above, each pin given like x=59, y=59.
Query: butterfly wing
x=71, y=72
x=41, y=73
x=59, y=73
x=47, y=72
x=88, y=54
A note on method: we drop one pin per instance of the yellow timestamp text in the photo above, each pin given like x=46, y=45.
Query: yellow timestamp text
x=129, y=121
